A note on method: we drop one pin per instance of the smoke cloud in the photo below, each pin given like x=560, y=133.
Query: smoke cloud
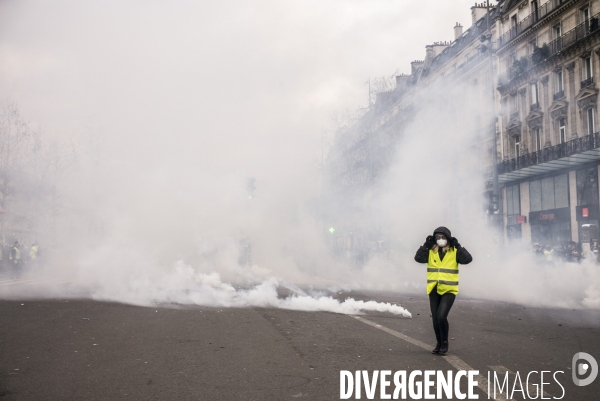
x=165, y=111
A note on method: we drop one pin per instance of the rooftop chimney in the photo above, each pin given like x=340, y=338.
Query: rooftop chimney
x=401, y=80
x=415, y=66
x=439, y=47
x=458, y=31
x=478, y=11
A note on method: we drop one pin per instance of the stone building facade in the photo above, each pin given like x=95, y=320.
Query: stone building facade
x=537, y=62
x=363, y=152
x=548, y=55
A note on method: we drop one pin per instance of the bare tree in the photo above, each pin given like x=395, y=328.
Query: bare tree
x=15, y=143
x=32, y=169
x=384, y=84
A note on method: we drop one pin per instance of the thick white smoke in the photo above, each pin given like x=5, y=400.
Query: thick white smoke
x=156, y=209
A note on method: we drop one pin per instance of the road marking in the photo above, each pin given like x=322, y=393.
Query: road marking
x=33, y=281
x=532, y=389
x=501, y=369
x=453, y=360
x=11, y=280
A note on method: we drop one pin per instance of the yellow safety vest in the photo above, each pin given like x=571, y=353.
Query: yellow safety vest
x=33, y=252
x=443, y=273
x=17, y=254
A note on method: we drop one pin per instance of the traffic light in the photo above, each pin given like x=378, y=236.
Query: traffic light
x=250, y=187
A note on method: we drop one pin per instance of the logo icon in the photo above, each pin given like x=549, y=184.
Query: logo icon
x=581, y=369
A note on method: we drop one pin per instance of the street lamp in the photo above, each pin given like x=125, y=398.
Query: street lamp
x=494, y=201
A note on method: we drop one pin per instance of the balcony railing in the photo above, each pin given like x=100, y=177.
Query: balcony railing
x=568, y=38
x=574, y=146
x=518, y=67
x=516, y=30
x=587, y=82
x=571, y=37
x=514, y=116
x=534, y=106
x=548, y=7
x=528, y=21
x=559, y=95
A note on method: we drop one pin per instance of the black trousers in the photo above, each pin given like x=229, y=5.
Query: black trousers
x=440, y=307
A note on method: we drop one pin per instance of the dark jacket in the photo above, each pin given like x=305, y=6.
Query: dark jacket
x=463, y=256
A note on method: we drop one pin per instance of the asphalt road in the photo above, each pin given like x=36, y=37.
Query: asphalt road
x=87, y=350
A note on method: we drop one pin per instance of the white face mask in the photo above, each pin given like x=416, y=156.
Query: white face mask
x=442, y=242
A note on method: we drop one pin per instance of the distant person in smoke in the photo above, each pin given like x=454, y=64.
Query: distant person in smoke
x=15, y=257
x=572, y=253
x=442, y=253
x=594, y=247
x=34, y=254
x=549, y=253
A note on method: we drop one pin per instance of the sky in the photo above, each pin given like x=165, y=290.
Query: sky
x=227, y=81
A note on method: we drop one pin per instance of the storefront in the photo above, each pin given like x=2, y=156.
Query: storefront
x=514, y=232
x=587, y=221
x=551, y=226
x=550, y=214
x=514, y=220
x=514, y=227
x=587, y=211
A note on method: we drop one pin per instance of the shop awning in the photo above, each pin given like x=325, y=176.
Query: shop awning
x=550, y=166
x=571, y=154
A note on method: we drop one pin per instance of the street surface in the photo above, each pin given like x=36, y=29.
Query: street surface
x=87, y=350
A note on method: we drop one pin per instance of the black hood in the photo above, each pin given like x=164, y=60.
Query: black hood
x=443, y=230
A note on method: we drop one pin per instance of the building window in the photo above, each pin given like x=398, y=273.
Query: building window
x=534, y=93
x=590, y=121
x=562, y=130
x=514, y=104
x=538, y=139
x=585, y=16
x=513, y=204
x=517, y=145
x=587, y=186
x=532, y=46
x=587, y=68
x=558, y=77
x=513, y=21
x=556, y=31
x=512, y=57
x=549, y=193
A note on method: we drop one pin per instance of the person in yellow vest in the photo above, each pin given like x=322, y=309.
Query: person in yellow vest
x=33, y=252
x=549, y=253
x=443, y=254
x=15, y=257
x=15, y=253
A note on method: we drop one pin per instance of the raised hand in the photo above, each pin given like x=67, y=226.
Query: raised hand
x=429, y=242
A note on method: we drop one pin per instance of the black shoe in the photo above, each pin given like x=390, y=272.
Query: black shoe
x=436, y=350
x=444, y=347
